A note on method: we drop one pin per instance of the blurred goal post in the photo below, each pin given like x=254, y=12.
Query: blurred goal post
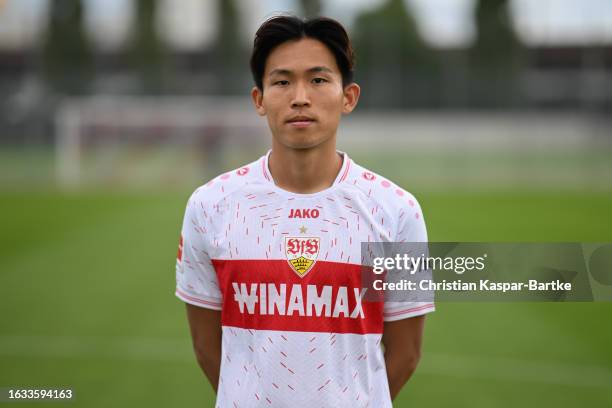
x=130, y=139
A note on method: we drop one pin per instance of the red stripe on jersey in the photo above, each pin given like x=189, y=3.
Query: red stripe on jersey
x=346, y=171
x=263, y=167
x=269, y=295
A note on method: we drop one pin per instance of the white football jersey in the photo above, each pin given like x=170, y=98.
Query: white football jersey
x=285, y=269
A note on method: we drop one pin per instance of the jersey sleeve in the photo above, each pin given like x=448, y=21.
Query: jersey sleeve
x=196, y=280
x=411, y=228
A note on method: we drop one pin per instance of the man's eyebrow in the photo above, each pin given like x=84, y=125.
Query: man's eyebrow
x=321, y=69
x=282, y=71
x=279, y=71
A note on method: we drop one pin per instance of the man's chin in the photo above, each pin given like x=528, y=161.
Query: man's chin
x=302, y=139
x=302, y=144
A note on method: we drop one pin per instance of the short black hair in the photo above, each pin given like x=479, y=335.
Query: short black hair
x=279, y=29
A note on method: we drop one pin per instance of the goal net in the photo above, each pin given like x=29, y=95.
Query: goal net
x=153, y=141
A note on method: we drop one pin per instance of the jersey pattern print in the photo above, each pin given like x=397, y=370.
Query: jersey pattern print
x=284, y=269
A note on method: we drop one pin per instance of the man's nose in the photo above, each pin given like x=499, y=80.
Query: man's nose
x=300, y=97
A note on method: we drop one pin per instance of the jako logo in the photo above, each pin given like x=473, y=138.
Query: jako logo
x=304, y=213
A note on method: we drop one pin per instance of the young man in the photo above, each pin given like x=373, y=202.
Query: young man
x=269, y=260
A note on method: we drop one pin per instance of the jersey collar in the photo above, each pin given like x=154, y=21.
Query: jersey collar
x=342, y=174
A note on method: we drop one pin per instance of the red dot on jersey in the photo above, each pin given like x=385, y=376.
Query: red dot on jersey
x=368, y=176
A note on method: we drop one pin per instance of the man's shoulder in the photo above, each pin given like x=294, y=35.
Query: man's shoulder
x=379, y=189
x=229, y=183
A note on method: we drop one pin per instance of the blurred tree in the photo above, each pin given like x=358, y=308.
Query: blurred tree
x=311, y=8
x=496, y=57
x=393, y=64
x=229, y=54
x=67, y=56
x=146, y=52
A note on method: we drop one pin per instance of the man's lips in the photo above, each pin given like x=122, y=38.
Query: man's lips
x=300, y=121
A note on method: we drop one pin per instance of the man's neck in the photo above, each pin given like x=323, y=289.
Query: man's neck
x=304, y=171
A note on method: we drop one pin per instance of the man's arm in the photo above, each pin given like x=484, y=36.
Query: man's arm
x=205, y=325
x=402, y=341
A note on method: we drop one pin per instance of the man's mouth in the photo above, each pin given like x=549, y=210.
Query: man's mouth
x=300, y=121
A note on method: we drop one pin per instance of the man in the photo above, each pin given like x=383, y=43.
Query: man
x=269, y=260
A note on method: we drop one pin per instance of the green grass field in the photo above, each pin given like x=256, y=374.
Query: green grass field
x=86, y=293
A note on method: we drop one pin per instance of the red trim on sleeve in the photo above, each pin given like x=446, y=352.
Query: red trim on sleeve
x=412, y=309
x=182, y=294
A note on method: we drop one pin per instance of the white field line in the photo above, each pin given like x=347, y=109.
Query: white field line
x=433, y=363
x=516, y=370
x=118, y=348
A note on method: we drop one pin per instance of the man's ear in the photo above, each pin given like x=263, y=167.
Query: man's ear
x=351, y=97
x=257, y=96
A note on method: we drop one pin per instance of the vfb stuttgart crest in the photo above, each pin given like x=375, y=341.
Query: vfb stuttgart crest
x=302, y=253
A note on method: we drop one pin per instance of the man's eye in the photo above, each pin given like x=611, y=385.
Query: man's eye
x=282, y=83
x=319, y=80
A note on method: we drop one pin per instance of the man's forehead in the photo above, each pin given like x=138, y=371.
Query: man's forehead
x=303, y=55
